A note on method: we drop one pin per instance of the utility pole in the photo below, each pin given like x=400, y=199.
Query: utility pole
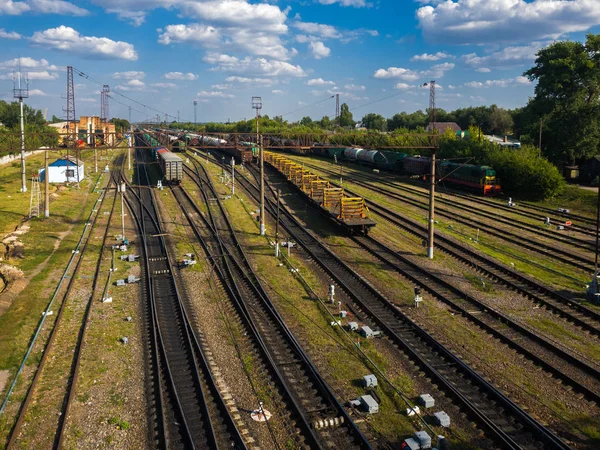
x=46, y=186
x=232, y=176
x=337, y=109
x=277, y=226
x=104, y=103
x=178, y=121
x=21, y=92
x=129, y=116
x=122, y=190
x=431, y=228
x=195, y=111
x=257, y=105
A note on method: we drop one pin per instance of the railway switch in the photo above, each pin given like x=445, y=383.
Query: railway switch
x=132, y=279
x=418, y=298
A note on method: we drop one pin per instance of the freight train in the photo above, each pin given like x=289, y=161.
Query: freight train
x=480, y=179
x=349, y=212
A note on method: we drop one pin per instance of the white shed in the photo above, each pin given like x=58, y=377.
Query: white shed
x=64, y=170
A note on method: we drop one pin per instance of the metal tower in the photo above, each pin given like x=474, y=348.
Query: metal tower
x=70, y=107
x=20, y=93
x=195, y=109
x=337, y=109
x=432, y=101
x=104, y=103
x=36, y=195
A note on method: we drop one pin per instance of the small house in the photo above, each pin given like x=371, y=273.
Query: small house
x=441, y=127
x=64, y=170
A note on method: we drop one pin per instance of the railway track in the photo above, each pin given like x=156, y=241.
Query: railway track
x=571, y=310
x=325, y=423
x=67, y=333
x=581, y=262
x=190, y=411
x=503, y=421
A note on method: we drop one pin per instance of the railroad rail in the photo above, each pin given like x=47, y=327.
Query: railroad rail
x=185, y=382
x=582, y=316
x=575, y=260
x=505, y=422
x=325, y=422
x=32, y=392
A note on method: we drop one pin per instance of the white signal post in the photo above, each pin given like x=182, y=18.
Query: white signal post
x=122, y=190
x=257, y=105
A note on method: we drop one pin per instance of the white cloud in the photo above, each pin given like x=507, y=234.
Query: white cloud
x=431, y=57
x=319, y=82
x=57, y=7
x=245, y=80
x=130, y=75
x=435, y=71
x=201, y=34
x=221, y=87
x=397, y=72
x=406, y=87
x=319, y=50
x=499, y=83
x=261, y=16
x=402, y=86
x=86, y=99
x=494, y=21
x=132, y=85
x=345, y=95
x=9, y=34
x=355, y=3
x=319, y=29
x=277, y=91
x=507, y=57
x=213, y=94
x=42, y=75
x=164, y=85
x=69, y=40
x=133, y=10
x=255, y=66
x=13, y=8
x=37, y=93
x=354, y=87
x=180, y=76
x=28, y=64
x=484, y=70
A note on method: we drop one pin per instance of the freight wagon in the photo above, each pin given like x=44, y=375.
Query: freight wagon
x=349, y=212
x=171, y=166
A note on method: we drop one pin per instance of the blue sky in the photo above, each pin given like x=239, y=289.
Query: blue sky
x=294, y=53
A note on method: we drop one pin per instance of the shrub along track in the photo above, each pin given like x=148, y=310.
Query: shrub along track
x=52, y=387
x=573, y=259
x=323, y=421
x=189, y=410
x=504, y=422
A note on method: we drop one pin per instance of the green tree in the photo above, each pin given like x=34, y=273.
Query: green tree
x=10, y=113
x=346, y=119
x=374, y=122
x=567, y=98
x=325, y=123
x=501, y=121
x=306, y=121
x=121, y=125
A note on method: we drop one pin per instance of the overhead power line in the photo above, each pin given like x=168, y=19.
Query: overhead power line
x=99, y=83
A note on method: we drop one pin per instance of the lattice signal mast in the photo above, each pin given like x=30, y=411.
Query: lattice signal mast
x=432, y=101
x=337, y=109
x=21, y=91
x=104, y=103
x=70, y=106
x=195, y=111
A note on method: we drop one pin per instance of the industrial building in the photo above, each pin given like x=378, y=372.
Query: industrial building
x=90, y=131
x=64, y=170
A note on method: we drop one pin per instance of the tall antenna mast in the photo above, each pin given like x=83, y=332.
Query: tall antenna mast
x=337, y=109
x=20, y=92
x=104, y=103
x=432, y=101
x=195, y=108
x=70, y=108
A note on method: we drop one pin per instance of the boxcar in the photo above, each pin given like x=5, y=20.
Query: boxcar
x=171, y=166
